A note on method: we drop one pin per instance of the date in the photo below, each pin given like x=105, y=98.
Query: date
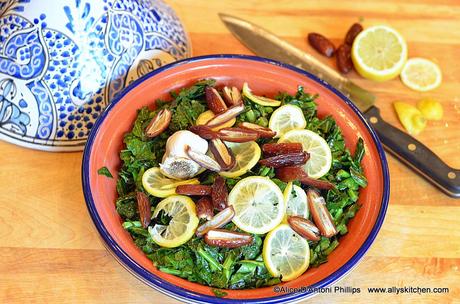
x=204, y=208
x=193, y=190
x=320, y=43
x=281, y=148
x=343, y=56
x=285, y=160
x=219, y=193
x=215, y=102
x=287, y=174
x=226, y=238
x=354, y=30
x=143, y=205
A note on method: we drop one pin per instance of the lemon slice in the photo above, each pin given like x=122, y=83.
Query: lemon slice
x=379, y=53
x=182, y=225
x=411, y=118
x=263, y=101
x=258, y=203
x=246, y=155
x=285, y=253
x=421, y=74
x=296, y=201
x=286, y=118
x=320, y=154
x=206, y=116
x=156, y=184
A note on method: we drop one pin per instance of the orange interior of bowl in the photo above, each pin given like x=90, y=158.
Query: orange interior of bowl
x=263, y=78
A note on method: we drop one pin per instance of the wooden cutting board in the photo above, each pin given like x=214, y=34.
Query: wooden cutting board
x=50, y=252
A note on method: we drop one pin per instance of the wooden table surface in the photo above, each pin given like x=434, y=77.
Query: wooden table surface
x=51, y=253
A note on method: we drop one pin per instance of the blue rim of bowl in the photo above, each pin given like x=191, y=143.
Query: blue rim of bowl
x=183, y=294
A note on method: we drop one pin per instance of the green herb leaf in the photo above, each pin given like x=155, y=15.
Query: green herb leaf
x=104, y=171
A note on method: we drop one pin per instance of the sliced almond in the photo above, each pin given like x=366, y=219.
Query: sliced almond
x=159, y=123
x=223, y=155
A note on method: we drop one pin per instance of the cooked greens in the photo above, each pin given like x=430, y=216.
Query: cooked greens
x=242, y=267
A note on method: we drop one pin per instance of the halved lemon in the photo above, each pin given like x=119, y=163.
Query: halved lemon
x=421, y=74
x=157, y=184
x=246, y=155
x=182, y=225
x=261, y=100
x=258, y=203
x=285, y=253
x=286, y=118
x=379, y=53
x=296, y=201
x=206, y=116
x=320, y=154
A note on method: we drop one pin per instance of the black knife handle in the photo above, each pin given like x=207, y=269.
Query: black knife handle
x=415, y=155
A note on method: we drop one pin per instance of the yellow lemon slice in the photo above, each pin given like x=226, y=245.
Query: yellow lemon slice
x=320, y=154
x=263, y=101
x=285, y=253
x=157, y=184
x=246, y=155
x=258, y=203
x=182, y=225
x=286, y=118
x=296, y=201
x=421, y=74
x=379, y=53
x=206, y=116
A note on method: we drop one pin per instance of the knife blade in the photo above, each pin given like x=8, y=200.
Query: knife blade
x=406, y=148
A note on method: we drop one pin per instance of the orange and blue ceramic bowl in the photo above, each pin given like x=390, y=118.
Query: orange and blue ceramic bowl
x=270, y=77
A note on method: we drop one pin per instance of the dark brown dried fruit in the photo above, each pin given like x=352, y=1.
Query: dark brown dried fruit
x=320, y=214
x=225, y=116
x=215, y=102
x=281, y=148
x=159, y=123
x=321, y=44
x=232, y=96
x=203, y=131
x=204, y=208
x=223, y=155
x=226, y=238
x=219, y=193
x=143, y=205
x=237, y=135
x=203, y=160
x=344, y=62
x=219, y=220
x=288, y=174
x=285, y=160
x=262, y=131
x=193, y=189
x=354, y=30
x=304, y=227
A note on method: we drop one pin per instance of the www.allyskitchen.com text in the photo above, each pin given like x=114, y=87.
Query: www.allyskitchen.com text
x=356, y=290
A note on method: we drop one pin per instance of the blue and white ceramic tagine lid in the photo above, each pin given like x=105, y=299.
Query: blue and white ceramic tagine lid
x=63, y=61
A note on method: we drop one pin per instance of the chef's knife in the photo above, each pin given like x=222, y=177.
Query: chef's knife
x=406, y=148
